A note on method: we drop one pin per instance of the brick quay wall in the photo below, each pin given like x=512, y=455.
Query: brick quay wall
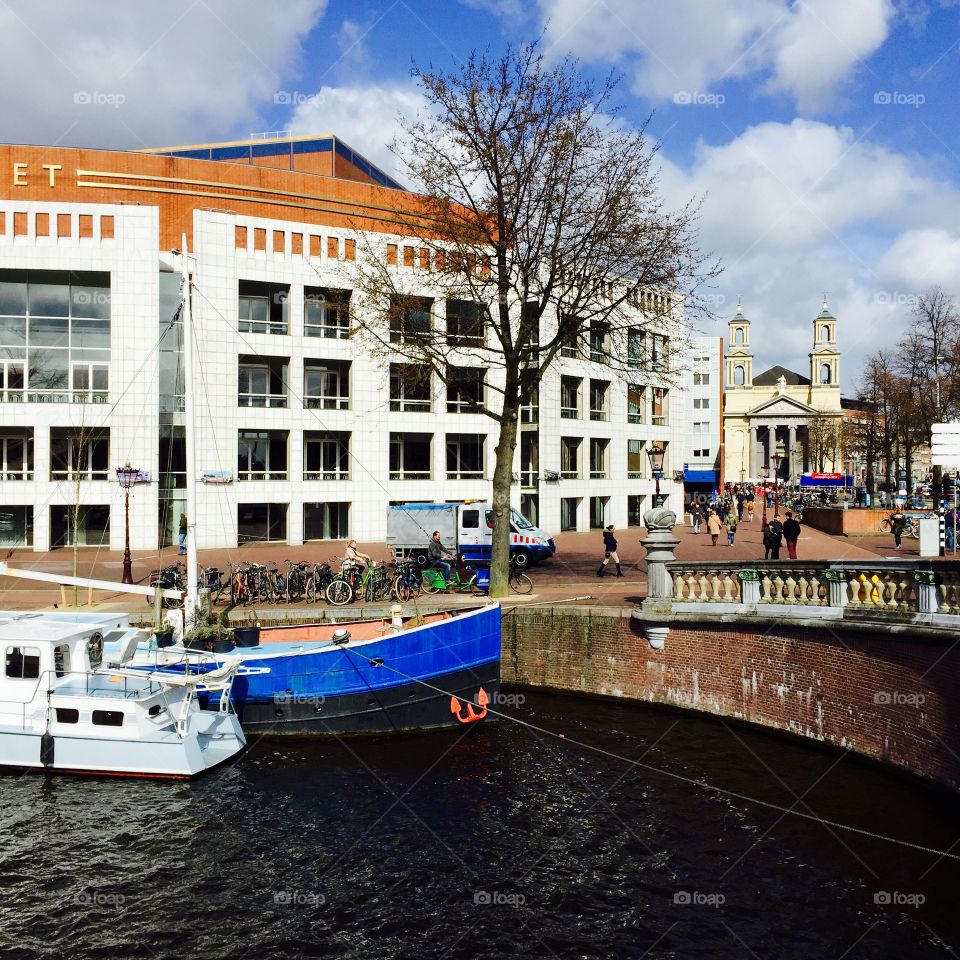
x=888, y=697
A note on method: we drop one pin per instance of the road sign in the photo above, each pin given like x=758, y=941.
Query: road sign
x=945, y=445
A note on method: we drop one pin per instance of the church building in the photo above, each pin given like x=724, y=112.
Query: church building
x=781, y=413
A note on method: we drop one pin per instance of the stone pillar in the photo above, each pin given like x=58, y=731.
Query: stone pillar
x=660, y=544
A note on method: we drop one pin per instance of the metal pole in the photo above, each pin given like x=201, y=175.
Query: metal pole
x=127, y=562
x=190, y=601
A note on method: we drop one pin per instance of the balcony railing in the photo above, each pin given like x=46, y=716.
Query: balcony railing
x=529, y=414
x=529, y=479
x=599, y=415
x=262, y=474
x=658, y=421
x=569, y=413
x=410, y=406
x=569, y=474
x=409, y=474
x=326, y=475
x=598, y=474
x=262, y=400
x=16, y=475
x=54, y=396
x=326, y=402
x=464, y=474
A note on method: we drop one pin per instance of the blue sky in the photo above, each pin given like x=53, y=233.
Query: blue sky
x=820, y=133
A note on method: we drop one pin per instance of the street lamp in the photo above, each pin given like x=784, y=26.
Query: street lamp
x=765, y=479
x=777, y=457
x=656, y=454
x=127, y=477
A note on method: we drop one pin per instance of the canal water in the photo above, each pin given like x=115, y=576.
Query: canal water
x=495, y=842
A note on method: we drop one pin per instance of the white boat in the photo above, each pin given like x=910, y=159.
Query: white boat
x=62, y=710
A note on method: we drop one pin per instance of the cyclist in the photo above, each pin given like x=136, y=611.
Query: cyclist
x=357, y=557
x=436, y=552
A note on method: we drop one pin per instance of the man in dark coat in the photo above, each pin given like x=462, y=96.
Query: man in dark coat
x=791, y=533
x=774, y=538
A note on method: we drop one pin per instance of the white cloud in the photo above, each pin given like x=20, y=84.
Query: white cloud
x=923, y=258
x=364, y=116
x=115, y=73
x=805, y=49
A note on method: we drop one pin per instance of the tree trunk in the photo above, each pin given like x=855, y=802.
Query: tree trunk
x=502, y=476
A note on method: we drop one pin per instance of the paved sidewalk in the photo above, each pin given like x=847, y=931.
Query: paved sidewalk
x=569, y=576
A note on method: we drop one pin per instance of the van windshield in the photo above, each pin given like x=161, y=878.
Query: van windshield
x=519, y=521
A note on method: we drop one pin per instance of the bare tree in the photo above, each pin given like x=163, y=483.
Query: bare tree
x=540, y=220
x=826, y=442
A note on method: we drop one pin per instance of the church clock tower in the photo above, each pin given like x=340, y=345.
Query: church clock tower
x=739, y=356
x=825, y=357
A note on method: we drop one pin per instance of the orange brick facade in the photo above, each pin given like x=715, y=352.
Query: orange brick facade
x=889, y=699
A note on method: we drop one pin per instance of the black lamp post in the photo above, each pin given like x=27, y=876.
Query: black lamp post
x=127, y=476
x=656, y=454
x=777, y=457
x=764, y=521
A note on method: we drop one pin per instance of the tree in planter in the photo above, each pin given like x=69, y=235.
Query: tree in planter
x=540, y=225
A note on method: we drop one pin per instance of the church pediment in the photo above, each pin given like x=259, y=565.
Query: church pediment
x=783, y=406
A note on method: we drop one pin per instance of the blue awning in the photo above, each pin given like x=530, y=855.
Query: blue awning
x=700, y=476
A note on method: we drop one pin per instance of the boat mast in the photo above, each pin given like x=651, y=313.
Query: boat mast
x=190, y=602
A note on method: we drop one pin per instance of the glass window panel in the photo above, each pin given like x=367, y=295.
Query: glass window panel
x=49, y=299
x=49, y=331
x=92, y=302
x=13, y=331
x=48, y=370
x=13, y=298
x=90, y=333
x=81, y=379
x=99, y=377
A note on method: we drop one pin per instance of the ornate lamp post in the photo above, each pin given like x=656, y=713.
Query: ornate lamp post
x=127, y=477
x=656, y=454
x=765, y=479
x=777, y=458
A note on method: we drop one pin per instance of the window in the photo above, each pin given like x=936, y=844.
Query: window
x=262, y=455
x=635, y=459
x=16, y=525
x=600, y=341
x=569, y=510
x=61, y=660
x=326, y=313
x=598, y=512
x=570, y=336
x=530, y=327
x=23, y=663
x=108, y=718
x=326, y=521
x=570, y=458
x=465, y=456
x=701, y=379
x=529, y=459
x=530, y=397
x=326, y=384
x=326, y=456
x=701, y=427
x=530, y=507
x=67, y=715
x=824, y=333
x=701, y=403
x=77, y=454
x=598, y=458
x=738, y=376
x=659, y=413
x=54, y=336
x=466, y=323
x=636, y=404
x=635, y=510
x=636, y=348
x=263, y=307
x=16, y=453
x=409, y=318
x=410, y=387
x=261, y=522
x=659, y=353
x=738, y=335
x=262, y=381
x=825, y=373
x=570, y=397
x=599, y=392
x=702, y=454
x=85, y=526
x=410, y=456
x=464, y=389
x=470, y=520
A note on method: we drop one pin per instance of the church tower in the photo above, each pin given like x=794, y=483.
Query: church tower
x=825, y=357
x=739, y=359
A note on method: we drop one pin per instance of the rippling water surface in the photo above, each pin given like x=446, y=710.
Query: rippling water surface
x=494, y=842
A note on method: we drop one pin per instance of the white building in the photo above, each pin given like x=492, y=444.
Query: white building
x=703, y=403
x=315, y=433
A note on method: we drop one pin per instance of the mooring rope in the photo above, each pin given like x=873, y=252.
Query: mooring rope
x=692, y=781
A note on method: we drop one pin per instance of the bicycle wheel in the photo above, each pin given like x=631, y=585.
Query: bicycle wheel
x=885, y=525
x=339, y=592
x=401, y=590
x=476, y=590
x=310, y=590
x=520, y=583
x=431, y=584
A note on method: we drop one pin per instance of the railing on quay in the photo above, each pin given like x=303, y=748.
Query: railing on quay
x=797, y=588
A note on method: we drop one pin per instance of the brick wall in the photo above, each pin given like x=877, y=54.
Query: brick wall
x=890, y=699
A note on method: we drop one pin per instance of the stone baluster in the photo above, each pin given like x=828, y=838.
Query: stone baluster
x=893, y=592
x=855, y=586
x=715, y=584
x=815, y=597
x=678, y=585
x=729, y=588
x=766, y=584
x=945, y=593
x=777, y=588
x=907, y=600
x=790, y=589
x=803, y=588
x=704, y=593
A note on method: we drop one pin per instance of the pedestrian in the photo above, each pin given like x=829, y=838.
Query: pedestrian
x=731, y=526
x=714, y=526
x=609, y=552
x=791, y=533
x=183, y=534
x=697, y=515
x=897, y=524
x=750, y=509
x=740, y=506
x=776, y=538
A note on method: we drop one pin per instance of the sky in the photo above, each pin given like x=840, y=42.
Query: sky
x=820, y=134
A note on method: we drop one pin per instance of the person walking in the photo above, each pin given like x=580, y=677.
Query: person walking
x=791, y=533
x=714, y=526
x=897, y=524
x=696, y=516
x=609, y=552
x=183, y=534
x=750, y=509
x=766, y=536
x=731, y=526
x=776, y=538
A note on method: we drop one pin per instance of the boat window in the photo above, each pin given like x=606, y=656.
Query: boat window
x=108, y=718
x=154, y=711
x=67, y=715
x=23, y=663
x=471, y=519
x=61, y=661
